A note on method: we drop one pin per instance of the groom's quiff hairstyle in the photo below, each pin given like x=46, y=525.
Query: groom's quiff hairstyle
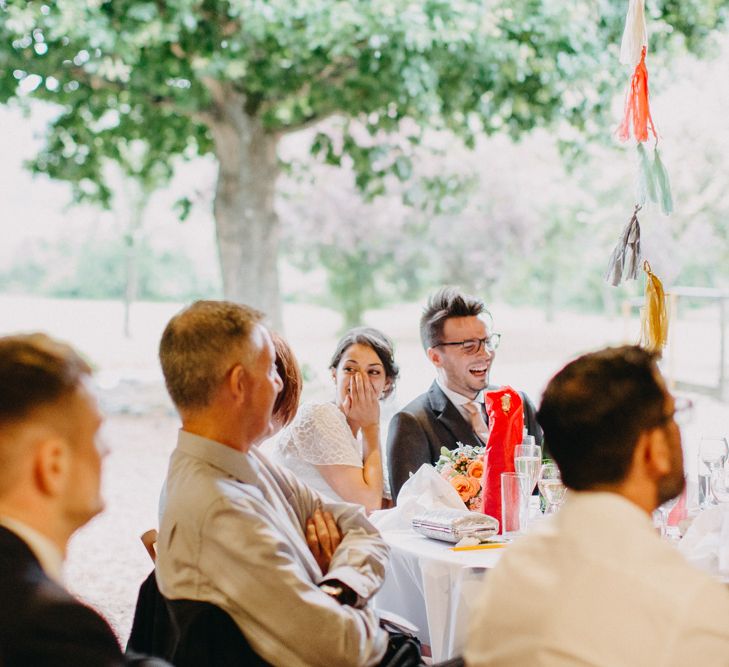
x=199, y=346
x=445, y=303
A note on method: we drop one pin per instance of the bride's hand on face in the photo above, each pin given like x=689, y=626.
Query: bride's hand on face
x=361, y=405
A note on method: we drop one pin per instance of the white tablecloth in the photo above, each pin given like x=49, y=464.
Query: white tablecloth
x=434, y=588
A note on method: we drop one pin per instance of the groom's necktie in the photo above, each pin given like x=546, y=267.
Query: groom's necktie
x=478, y=423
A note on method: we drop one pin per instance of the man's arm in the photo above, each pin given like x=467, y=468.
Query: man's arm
x=268, y=591
x=360, y=558
x=407, y=449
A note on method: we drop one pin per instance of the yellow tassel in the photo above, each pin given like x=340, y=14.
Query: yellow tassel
x=653, y=315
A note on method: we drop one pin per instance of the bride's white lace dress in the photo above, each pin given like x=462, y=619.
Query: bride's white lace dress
x=319, y=435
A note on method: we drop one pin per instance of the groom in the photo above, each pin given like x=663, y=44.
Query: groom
x=456, y=334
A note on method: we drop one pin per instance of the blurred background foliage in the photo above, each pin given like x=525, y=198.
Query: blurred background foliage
x=523, y=206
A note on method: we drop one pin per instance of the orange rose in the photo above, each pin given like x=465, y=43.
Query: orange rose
x=475, y=469
x=475, y=485
x=462, y=484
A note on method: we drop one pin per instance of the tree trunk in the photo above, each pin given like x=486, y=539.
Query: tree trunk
x=247, y=227
x=139, y=199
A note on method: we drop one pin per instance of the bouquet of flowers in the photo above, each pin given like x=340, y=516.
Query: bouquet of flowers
x=462, y=468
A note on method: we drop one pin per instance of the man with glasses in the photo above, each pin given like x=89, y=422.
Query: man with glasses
x=596, y=585
x=456, y=333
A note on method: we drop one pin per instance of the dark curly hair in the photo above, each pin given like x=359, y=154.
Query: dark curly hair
x=380, y=344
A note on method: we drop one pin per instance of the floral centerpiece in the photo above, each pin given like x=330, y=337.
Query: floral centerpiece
x=462, y=468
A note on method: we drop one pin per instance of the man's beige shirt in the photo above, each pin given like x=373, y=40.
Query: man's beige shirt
x=232, y=533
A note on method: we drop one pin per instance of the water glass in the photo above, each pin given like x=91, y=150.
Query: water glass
x=551, y=487
x=514, y=503
x=719, y=485
x=528, y=460
x=713, y=451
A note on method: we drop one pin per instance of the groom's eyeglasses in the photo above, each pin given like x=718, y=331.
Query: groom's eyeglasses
x=473, y=345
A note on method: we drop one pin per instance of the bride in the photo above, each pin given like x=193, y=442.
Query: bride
x=334, y=446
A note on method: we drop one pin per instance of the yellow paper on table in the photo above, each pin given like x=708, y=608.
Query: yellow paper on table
x=477, y=547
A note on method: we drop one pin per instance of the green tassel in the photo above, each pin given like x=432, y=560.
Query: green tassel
x=663, y=185
x=646, y=187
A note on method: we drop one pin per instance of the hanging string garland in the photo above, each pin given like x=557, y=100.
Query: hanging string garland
x=637, y=106
x=635, y=34
x=652, y=184
x=625, y=260
x=653, y=315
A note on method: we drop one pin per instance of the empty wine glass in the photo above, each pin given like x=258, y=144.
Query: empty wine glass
x=528, y=460
x=551, y=487
x=713, y=451
x=719, y=485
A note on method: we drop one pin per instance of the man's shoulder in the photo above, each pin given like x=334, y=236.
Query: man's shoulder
x=41, y=622
x=421, y=404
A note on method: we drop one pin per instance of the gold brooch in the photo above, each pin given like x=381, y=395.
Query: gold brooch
x=506, y=403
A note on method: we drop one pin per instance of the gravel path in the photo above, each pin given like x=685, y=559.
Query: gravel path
x=106, y=561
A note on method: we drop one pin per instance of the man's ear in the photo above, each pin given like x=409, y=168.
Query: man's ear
x=435, y=356
x=52, y=463
x=654, y=452
x=238, y=383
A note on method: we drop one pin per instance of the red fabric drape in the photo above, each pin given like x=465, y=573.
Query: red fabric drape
x=506, y=430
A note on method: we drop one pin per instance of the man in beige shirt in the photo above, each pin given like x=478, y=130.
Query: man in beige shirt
x=597, y=586
x=294, y=571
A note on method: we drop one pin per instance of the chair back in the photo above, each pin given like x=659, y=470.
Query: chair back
x=187, y=633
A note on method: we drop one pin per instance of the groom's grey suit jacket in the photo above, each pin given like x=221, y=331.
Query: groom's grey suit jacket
x=430, y=422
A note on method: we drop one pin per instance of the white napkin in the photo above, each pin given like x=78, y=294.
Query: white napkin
x=425, y=490
x=706, y=543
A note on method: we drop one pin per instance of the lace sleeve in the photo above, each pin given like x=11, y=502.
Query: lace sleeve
x=320, y=436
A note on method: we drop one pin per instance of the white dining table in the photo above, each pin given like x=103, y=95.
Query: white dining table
x=434, y=587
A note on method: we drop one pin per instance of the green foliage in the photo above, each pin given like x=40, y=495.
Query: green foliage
x=126, y=70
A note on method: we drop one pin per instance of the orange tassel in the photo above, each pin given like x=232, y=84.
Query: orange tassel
x=636, y=105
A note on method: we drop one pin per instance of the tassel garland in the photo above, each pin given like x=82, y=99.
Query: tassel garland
x=663, y=185
x=625, y=260
x=653, y=183
x=653, y=315
x=637, y=108
x=646, y=189
x=635, y=35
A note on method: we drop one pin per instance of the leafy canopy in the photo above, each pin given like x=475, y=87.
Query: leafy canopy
x=129, y=70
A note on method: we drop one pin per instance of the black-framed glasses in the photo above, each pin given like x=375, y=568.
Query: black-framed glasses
x=473, y=345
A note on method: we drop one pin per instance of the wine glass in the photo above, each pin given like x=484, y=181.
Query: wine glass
x=551, y=487
x=719, y=485
x=713, y=451
x=528, y=460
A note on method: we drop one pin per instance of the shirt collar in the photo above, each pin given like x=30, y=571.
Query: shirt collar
x=606, y=504
x=229, y=460
x=45, y=550
x=458, y=399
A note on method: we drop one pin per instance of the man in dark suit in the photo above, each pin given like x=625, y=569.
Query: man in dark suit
x=50, y=473
x=456, y=333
